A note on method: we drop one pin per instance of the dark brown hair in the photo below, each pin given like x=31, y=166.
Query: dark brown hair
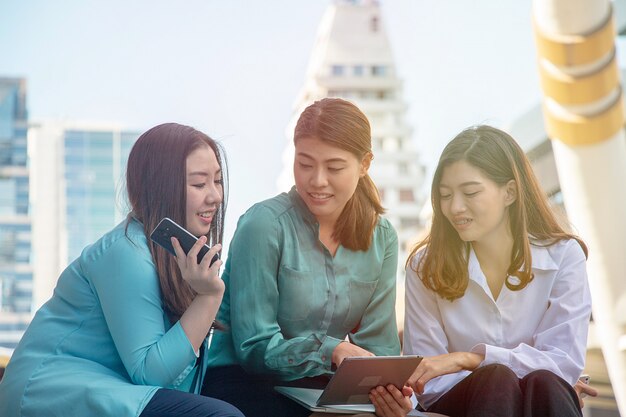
x=156, y=186
x=443, y=268
x=340, y=123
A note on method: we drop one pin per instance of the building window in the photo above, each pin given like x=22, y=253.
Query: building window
x=403, y=168
x=406, y=196
x=390, y=144
x=379, y=70
x=378, y=143
x=358, y=70
x=556, y=198
x=374, y=24
x=337, y=70
x=409, y=222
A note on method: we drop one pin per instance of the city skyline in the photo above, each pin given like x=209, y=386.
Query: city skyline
x=91, y=64
x=220, y=68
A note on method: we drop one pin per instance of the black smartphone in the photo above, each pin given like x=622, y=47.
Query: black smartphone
x=167, y=228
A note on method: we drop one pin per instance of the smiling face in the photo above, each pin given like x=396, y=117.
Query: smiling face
x=204, y=190
x=326, y=177
x=476, y=206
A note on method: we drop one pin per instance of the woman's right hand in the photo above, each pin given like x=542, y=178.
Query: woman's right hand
x=389, y=401
x=202, y=277
x=346, y=349
x=448, y=363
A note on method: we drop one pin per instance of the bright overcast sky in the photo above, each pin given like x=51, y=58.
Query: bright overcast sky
x=233, y=68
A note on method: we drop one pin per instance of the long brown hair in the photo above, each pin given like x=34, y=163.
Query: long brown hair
x=156, y=186
x=443, y=268
x=340, y=123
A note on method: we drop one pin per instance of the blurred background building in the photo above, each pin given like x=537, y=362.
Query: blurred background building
x=77, y=173
x=353, y=59
x=64, y=196
x=16, y=270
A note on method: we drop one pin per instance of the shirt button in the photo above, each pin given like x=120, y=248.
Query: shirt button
x=290, y=361
x=323, y=358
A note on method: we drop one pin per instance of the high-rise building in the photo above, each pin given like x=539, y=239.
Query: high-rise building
x=16, y=273
x=78, y=195
x=352, y=59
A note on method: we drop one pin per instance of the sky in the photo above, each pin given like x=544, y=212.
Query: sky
x=233, y=69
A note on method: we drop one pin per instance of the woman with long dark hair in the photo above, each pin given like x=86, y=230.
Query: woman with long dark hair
x=125, y=331
x=497, y=296
x=310, y=273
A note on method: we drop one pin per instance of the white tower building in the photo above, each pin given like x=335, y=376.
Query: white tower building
x=352, y=59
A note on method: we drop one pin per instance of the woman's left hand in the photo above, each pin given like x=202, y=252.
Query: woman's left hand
x=389, y=401
x=583, y=390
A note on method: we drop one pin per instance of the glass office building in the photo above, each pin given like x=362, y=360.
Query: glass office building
x=16, y=273
x=94, y=164
x=77, y=192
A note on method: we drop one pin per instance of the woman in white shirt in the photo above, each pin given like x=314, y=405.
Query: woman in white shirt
x=497, y=297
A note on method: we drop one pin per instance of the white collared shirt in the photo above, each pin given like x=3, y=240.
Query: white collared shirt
x=543, y=326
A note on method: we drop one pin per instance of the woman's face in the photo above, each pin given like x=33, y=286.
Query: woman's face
x=204, y=190
x=475, y=205
x=326, y=177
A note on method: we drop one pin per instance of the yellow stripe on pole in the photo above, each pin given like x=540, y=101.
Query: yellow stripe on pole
x=4, y=361
x=573, y=129
x=580, y=49
x=571, y=90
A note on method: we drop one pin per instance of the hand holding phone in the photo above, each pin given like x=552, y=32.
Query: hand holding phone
x=583, y=389
x=168, y=228
x=585, y=380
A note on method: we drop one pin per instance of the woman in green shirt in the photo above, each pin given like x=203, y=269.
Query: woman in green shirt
x=310, y=274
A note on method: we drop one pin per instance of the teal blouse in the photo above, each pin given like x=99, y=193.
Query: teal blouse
x=289, y=302
x=102, y=345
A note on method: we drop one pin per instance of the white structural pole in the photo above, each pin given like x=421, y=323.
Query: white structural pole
x=584, y=116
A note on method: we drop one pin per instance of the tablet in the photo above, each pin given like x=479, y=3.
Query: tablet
x=353, y=380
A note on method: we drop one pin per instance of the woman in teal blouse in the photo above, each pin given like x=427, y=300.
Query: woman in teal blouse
x=124, y=332
x=310, y=274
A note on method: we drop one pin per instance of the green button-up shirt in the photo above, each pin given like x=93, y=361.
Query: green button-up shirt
x=289, y=302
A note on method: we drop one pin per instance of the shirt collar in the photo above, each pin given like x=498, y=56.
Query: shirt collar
x=301, y=206
x=541, y=260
